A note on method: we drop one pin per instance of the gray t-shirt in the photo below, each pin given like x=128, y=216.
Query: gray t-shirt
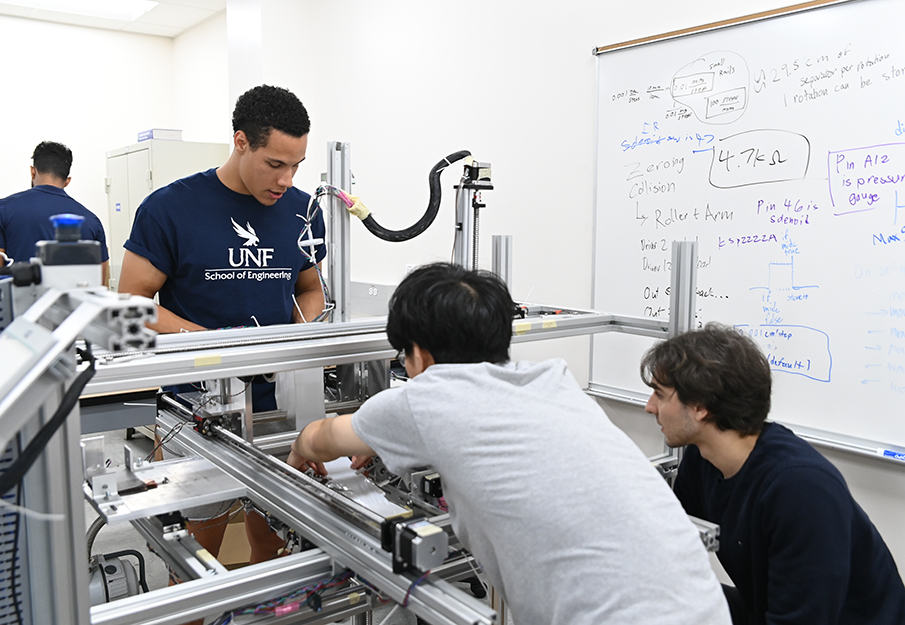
x=570, y=521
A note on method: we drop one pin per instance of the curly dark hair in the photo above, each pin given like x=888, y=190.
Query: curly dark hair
x=718, y=368
x=52, y=158
x=261, y=109
x=458, y=315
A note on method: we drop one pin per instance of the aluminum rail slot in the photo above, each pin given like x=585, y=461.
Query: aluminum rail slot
x=542, y=327
x=178, y=368
x=434, y=600
x=372, y=521
x=29, y=391
x=221, y=339
x=179, y=555
x=283, y=348
x=177, y=604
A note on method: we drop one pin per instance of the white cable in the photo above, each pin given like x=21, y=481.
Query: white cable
x=387, y=617
x=476, y=573
x=298, y=308
x=33, y=514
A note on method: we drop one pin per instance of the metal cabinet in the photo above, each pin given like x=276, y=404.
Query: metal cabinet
x=136, y=170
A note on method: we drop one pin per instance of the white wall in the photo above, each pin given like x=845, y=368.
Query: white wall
x=201, y=103
x=93, y=90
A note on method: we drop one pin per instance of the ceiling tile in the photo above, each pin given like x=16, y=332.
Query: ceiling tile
x=15, y=10
x=210, y=5
x=167, y=14
x=169, y=18
x=153, y=29
x=76, y=20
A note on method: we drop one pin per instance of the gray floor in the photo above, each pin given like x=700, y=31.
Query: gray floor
x=123, y=536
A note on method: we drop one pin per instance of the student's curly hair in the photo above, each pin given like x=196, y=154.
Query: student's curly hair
x=260, y=110
x=718, y=368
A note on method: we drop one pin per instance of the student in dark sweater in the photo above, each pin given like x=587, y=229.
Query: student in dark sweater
x=797, y=546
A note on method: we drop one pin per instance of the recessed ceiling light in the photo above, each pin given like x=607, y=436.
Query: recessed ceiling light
x=125, y=10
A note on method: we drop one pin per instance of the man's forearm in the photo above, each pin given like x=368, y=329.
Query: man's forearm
x=303, y=442
x=311, y=303
x=328, y=439
x=169, y=323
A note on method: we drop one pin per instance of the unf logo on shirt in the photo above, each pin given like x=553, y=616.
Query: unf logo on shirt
x=245, y=256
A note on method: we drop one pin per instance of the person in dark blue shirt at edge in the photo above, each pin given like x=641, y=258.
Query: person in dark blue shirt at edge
x=797, y=546
x=222, y=249
x=25, y=216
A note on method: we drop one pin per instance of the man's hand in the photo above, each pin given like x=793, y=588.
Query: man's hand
x=296, y=461
x=328, y=439
x=360, y=462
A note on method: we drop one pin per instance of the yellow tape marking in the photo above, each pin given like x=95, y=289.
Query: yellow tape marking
x=207, y=361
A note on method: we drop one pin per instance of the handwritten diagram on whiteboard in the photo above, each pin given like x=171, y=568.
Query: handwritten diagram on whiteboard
x=779, y=146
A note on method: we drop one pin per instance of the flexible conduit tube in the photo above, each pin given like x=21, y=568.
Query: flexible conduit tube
x=433, y=207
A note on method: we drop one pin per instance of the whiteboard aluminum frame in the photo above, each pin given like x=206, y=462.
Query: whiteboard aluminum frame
x=713, y=26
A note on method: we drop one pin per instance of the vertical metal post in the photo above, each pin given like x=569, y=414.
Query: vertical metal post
x=502, y=258
x=56, y=550
x=468, y=204
x=683, y=284
x=682, y=300
x=339, y=280
x=464, y=249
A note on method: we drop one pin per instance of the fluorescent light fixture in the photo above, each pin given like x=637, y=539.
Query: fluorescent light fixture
x=123, y=10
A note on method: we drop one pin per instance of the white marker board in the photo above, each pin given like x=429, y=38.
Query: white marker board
x=779, y=145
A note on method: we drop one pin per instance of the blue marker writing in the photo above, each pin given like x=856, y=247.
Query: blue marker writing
x=888, y=453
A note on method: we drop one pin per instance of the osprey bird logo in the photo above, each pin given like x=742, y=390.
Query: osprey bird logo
x=247, y=233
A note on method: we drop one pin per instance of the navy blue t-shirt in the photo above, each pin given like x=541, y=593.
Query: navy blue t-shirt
x=25, y=220
x=798, y=547
x=229, y=260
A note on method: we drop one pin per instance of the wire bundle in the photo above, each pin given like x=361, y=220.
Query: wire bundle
x=307, y=245
x=309, y=595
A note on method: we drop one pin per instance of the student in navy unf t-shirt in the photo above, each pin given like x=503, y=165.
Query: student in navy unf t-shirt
x=229, y=260
x=222, y=247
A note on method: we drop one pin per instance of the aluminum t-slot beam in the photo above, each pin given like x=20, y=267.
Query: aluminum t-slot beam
x=234, y=360
x=189, y=357
x=434, y=600
x=231, y=590
x=29, y=364
x=574, y=322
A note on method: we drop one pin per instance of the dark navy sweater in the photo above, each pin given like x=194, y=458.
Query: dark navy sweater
x=795, y=543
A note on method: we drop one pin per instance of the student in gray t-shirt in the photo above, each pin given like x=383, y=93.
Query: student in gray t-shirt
x=565, y=514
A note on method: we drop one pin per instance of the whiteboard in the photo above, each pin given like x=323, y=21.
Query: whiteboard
x=779, y=145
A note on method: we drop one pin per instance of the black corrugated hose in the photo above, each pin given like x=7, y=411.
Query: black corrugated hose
x=23, y=463
x=433, y=206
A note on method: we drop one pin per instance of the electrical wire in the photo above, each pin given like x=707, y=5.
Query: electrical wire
x=386, y=619
x=35, y=448
x=408, y=593
x=142, y=576
x=310, y=255
x=291, y=601
x=174, y=431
